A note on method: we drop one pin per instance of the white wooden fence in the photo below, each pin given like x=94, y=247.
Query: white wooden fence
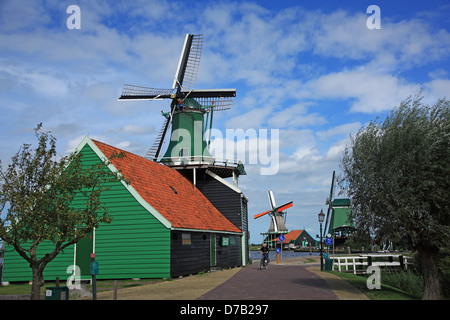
x=367, y=260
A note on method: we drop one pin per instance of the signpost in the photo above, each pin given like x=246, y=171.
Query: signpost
x=278, y=255
x=329, y=241
x=281, y=238
x=94, y=271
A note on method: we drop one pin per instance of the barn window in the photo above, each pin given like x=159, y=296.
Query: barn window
x=186, y=239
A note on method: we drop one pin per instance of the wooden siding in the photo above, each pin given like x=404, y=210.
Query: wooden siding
x=244, y=210
x=189, y=259
x=228, y=255
x=196, y=257
x=230, y=203
x=16, y=268
x=225, y=199
x=134, y=245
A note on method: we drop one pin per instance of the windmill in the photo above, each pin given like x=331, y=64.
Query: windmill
x=277, y=218
x=328, y=203
x=188, y=144
x=337, y=220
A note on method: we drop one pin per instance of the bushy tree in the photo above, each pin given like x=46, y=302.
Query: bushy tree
x=38, y=189
x=397, y=173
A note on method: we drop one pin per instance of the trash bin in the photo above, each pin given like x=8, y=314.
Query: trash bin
x=328, y=264
x=57, y=293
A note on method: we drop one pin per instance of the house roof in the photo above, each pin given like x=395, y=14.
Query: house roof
x=168, y=192
x=292, y=236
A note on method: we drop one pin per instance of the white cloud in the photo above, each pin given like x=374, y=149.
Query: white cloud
x=42, y=81
x=344, y=129
x=435, y=89
x=252, y=119
x=295, y=116
x=371, y=92
x=336, y=150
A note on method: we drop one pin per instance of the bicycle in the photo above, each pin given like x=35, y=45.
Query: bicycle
x=264, y=261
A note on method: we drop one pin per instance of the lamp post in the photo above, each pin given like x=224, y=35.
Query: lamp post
x=321, y=218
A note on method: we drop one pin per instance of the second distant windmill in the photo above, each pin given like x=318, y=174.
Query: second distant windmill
x=277, y=220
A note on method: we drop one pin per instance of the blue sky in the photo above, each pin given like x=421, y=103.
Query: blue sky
x=311, y=69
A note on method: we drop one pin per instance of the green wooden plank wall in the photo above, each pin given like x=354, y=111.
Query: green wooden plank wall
x=134, y=245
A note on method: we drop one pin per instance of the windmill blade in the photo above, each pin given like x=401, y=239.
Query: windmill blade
x=261, y=214
x=274, y=221
x=277, y=209
x=209, y=93
x=187, y=70
x=218, y=104
x=271, y=199
x=329, y=202
x=132, y=92
x=164, y=132
x=152, y=152
x=284, y=206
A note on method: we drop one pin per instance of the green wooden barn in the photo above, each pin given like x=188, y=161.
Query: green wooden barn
x=163, y=225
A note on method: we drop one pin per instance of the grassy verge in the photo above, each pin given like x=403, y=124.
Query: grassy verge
x=102, y=285
x=402, y=285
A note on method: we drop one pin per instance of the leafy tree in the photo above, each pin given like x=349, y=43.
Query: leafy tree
x=39, y=189
x=397, y=175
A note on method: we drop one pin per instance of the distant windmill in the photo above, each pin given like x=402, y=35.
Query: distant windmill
x=328, y=202
x=187, y=108
x=277, y=217
x=337, y=220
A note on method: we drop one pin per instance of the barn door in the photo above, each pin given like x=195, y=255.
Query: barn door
x=213, y=250
x=84, y=248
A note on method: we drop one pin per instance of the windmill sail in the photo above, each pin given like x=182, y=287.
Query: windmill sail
x=184, y=99
x=277, y=221
x=154, y=149
x=132, y=92
x=329, y=202
x=187, y=70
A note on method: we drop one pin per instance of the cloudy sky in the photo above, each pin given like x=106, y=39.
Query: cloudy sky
x=311, y=69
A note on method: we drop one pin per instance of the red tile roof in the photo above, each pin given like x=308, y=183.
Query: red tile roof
x=168, y=192
x=292, y=236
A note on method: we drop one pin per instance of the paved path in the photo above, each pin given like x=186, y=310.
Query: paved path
x=292, y=279
x=278, y=282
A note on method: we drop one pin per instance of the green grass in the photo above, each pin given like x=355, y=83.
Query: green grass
x=401, y=285
x=102, y=285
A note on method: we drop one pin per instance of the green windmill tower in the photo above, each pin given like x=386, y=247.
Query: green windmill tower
x=190, y=115
x=338, y=222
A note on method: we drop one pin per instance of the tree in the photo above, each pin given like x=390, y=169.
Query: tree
x=39, y=190
x=397, y=175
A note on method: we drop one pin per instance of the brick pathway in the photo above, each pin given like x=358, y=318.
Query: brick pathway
x=278, y=282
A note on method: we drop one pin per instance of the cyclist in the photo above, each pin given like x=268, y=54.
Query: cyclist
x=265, y=251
